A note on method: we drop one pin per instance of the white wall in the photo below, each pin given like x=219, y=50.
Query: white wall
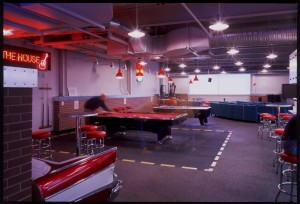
x=91, y=79
x=268, y=84
x=182, y=85
x=221, y=84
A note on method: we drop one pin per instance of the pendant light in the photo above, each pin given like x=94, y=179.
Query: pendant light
x=196, y=78
x=136, y=33
x=167, y=69
x=139, y=71
x=219, y=25
x=272, y=56
x=190, y=82
x=233, y=51
x=119, y=74
x=161, y=73
x=170, y=80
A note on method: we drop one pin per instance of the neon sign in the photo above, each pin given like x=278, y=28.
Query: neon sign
x=22, y=57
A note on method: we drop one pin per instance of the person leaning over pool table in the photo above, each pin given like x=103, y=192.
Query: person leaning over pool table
x=96, y=102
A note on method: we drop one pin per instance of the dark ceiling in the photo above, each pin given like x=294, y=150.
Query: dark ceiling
x=100, y=30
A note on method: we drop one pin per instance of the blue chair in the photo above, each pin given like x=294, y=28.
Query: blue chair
x=251, y=113
x=238, y=112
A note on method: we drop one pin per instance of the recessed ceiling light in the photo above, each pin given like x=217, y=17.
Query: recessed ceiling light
x=143, y=63
x=271, y=56
x=232, y=51
x=242, y=69
x=167, y=69
x=216, y=67
x=238, y=63
x=197, y=70
x=182, y=65
x=267, y=66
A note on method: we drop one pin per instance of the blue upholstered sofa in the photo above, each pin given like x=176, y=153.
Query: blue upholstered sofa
x=242, y=110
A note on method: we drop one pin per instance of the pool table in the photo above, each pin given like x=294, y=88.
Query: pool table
x=159, y=123
x=201, y=112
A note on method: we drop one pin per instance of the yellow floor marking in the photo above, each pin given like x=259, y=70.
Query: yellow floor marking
x=168, y=165
x=191, y=168
x=63, y=152
x=150, y=163
x=127, y=160
x=222, y=148
x=219, y=153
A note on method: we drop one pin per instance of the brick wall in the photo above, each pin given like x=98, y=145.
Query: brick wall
x=17, y=124
x=61, y=123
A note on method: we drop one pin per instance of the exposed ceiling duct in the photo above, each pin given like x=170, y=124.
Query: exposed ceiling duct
x=252, y=39
x=175, y=31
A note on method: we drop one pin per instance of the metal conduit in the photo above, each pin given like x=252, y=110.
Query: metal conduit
x=260, y=38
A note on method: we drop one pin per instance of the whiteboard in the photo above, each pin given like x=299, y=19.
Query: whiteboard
x=221, y=84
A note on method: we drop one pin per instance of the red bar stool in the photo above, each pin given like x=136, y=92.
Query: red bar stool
x=92, y=138
x=83, y=130
x=278, y=134
x=285, y=119
x=262, y=123
x=41, y=139
x=270, y=125
x=290, y=173
x=280, y=119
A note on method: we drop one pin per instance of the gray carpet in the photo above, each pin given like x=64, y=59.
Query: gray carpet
x=188, y=147
x=242, y=173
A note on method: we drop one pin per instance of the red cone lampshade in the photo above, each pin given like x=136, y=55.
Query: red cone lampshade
x=161, y=73
x=119, y=75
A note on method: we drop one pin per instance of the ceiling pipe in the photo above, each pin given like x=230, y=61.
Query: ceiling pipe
x=75, y=15
x=260, y=38
x=71, y=42
x=191, y=13
x=28, y=14
x=38, y=17
x=11, y=23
